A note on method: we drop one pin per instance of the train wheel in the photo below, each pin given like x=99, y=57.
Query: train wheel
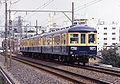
x=62, y=58
x=59, y=59
x=68, y=60
x=23, y=54
x=84, y=63
x=85, y=60
x=71, y=60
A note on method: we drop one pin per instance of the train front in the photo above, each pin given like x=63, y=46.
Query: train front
x=82, y=42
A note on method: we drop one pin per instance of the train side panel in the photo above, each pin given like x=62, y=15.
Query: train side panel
x=71, y=44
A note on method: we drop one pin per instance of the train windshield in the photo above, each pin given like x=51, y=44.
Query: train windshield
x=73, y=38
x=83, y=38
x=91, y=38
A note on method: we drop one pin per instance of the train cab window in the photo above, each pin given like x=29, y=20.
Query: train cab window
x=82, y=38
x=91, y=38
x=74, y=38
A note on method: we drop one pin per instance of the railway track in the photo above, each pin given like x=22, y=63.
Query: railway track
x=4, y=78
x=70, y=76
x=101, y=70
x=109, y=71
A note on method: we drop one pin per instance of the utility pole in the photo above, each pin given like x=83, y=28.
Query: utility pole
x=26, y=29
x=20, y=26
x=6, y=32
x=20, y=31
x=36, y=27
x=72, y=13
x=13, y=48
x=10, y=29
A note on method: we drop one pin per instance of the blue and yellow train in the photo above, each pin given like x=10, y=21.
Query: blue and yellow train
x=73, y=44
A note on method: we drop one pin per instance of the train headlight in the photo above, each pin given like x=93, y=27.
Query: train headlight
x=71, y=52
x=73, y=48
x=92, y=48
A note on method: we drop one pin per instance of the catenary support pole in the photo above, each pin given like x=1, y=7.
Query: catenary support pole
x=10, y=29
x=72, y=13
x=6, y=48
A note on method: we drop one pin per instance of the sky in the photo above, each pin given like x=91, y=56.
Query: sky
x=108, y=10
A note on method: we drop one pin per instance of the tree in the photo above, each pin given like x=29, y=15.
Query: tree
x=111, y=57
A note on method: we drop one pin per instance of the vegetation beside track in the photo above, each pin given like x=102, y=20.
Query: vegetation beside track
x=111, y=57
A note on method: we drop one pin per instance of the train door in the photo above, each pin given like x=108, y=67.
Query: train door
x=64, y=43
x=83, y=39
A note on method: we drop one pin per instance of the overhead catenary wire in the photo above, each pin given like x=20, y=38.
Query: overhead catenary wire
x=57, y=18
x=11, y=3
x=77, y=9
x=42, y=6
x=87, y=5
x=15, y=2
x=84, y=6
x=81, y=7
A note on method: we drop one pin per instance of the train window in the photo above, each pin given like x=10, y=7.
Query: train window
x=63, y=39
x=44, y=40
x=34, y=42
x=31, y=42
x=39, y=40
x=82, y=38
x=57, y=40
x=91, y=38
x=49, y=40
x=73, y=38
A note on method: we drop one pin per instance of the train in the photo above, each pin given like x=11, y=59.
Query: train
x=74, y=44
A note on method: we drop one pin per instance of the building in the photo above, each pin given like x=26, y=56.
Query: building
x=80, y=22
x=108, y=34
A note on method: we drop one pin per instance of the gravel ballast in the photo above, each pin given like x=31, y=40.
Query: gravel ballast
x=25, y=74
x=88, y=73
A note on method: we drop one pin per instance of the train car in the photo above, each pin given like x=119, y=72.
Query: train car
x=73, y=44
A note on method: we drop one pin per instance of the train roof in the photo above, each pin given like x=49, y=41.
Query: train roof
x=68, y=29
x=73, y=29
x=82, y=29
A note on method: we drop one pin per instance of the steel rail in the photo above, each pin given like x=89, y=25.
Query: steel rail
x=100, y=69
x=6, y=77
x=71, y=76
